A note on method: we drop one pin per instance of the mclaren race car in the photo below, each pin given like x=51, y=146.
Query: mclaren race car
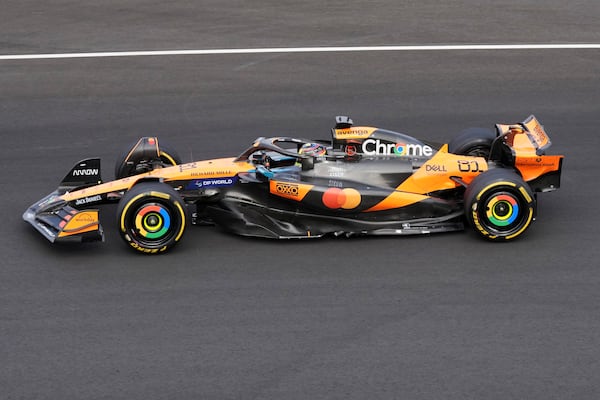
x=361, y=181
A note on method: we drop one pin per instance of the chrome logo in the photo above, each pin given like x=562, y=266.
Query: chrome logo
x=374, y=147
x=502, y=210
x=152, y=221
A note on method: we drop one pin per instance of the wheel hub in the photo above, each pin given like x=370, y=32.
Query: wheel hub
x=502, y=210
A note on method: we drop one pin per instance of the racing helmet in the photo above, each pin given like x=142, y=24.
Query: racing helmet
x=312, y=149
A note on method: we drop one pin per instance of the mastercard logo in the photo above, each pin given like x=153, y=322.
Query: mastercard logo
x=341, y=198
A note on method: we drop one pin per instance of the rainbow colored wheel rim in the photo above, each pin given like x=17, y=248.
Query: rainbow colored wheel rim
x=152, y=221
x=502, y=210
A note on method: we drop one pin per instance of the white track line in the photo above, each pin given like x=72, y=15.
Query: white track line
x=302, y=50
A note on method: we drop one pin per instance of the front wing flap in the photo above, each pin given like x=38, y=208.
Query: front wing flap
x=59, y=222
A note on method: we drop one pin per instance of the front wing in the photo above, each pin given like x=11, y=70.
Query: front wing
x=59, y=222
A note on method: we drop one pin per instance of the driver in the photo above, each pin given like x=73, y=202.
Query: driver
x=313, y=149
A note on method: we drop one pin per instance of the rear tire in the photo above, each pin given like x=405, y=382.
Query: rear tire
x=151, y=217
x=499, y=205
x=475, y=142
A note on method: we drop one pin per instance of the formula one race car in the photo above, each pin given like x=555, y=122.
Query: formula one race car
x=362, y=181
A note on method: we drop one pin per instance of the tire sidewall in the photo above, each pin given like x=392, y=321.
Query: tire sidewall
x=472, y=140
x=499, y=205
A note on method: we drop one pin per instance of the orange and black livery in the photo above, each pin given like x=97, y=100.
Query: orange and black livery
x=360, y=181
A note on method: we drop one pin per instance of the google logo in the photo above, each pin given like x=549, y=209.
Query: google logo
x=400, y=149
x=502, y=210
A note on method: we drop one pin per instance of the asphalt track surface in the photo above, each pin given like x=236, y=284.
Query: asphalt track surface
x=223, y=317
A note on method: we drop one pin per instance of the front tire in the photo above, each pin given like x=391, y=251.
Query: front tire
x=142, y=156
x=499, y=205
x=151, y=217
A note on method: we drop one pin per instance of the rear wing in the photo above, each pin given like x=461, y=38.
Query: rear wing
x=526, y=137
x=536, y=133
x=523, y=146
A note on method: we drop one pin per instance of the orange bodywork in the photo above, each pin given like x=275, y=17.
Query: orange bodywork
x=435, y=174
x=432, y=176
x=78, y=222
x=527, y=146
x=218, y=168
x=532, y=167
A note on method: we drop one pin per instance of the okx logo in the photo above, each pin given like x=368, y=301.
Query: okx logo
x=287, y=189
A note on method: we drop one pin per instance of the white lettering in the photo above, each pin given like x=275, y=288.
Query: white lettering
x=373, y=147
x=87, y=200
x=214, y=182
x=86, y=172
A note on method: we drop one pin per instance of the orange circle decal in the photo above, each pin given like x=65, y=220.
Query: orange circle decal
x=341, y=198
x=330, y=198
x=352, y=198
